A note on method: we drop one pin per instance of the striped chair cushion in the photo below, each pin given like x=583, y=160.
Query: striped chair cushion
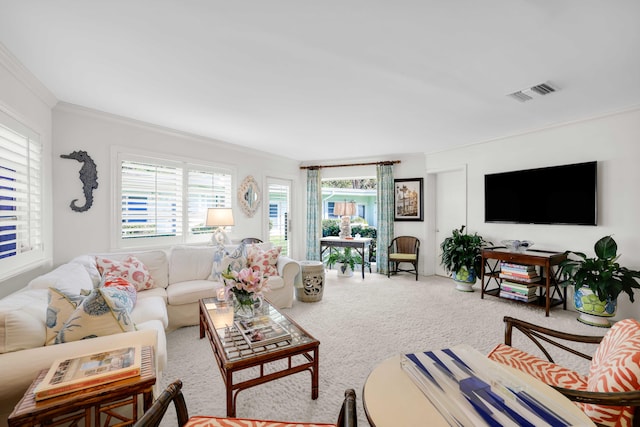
x=545, y=371
x=615, y=367
x=243, y=422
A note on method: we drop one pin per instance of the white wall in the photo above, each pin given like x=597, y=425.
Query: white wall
x=26, y=100
x=77, y=128
x=612, y=140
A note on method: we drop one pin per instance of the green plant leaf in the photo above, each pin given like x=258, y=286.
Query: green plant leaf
x=606, y=248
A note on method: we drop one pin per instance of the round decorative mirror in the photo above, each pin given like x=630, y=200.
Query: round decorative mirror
x=249, y=196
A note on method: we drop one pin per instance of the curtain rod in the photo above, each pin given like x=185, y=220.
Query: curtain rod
x=389, y=162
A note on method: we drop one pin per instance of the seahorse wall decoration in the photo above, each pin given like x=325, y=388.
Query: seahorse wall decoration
x=88, y=176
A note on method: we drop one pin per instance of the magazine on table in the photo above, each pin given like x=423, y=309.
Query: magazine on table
x=262, y=330
x=71, y=374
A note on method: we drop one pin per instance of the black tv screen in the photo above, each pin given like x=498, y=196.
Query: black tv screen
x=564, y=194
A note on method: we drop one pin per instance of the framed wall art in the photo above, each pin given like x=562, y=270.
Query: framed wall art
x=408, y=200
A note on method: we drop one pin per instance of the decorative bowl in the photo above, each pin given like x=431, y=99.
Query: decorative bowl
x=517, y=245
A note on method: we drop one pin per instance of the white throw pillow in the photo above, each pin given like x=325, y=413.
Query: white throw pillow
x=71, y=278
x=22, y=320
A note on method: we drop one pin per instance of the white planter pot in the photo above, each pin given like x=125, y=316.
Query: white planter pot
x=344, y=270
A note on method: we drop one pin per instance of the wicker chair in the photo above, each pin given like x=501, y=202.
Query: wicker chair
x=173, y=393
x=610, y=394
x=403, y=249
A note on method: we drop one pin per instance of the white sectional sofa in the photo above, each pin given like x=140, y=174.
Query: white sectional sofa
x=182, y=275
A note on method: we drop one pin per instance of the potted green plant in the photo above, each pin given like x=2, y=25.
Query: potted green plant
x=461, y=257
x=598, y=281
x=346, y=260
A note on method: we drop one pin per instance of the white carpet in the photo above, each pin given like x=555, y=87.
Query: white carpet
x=359, y=323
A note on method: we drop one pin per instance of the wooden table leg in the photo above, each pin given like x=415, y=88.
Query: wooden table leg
x=231, y=398
x=315, y=375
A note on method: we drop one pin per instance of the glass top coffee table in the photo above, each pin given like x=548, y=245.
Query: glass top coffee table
x=233, y=353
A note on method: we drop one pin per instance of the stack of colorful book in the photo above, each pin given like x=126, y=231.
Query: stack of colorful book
x=518, y=291
x=519, y=272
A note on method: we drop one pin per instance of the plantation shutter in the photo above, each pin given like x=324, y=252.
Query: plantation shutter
x=20, y=194
x=206, y=189
x=151, y=200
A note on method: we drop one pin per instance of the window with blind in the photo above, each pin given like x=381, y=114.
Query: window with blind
x=167, y=201
x=20, y=196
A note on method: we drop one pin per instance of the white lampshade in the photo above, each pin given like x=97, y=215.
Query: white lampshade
x=219, y=217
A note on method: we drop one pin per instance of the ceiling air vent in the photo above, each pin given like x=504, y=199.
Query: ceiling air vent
x=528, y=94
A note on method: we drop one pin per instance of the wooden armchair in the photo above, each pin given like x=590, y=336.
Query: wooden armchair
x=403, y=249
x=173, y=393
x=610, y=394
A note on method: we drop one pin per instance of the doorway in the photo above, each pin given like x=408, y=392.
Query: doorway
x=450, y=187
x=279, y=205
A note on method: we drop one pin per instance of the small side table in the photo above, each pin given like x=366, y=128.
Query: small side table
x=95, y=405
x=312, y=281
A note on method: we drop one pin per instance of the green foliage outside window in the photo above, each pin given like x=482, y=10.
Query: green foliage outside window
x=331, y=227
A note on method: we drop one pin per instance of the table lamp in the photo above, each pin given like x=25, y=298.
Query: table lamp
x=219, y=217
x=345, y=210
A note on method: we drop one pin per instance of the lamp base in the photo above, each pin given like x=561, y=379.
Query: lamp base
x=345, y=227
x=219, y=237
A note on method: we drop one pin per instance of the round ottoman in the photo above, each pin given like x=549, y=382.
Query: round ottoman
x=312, y=281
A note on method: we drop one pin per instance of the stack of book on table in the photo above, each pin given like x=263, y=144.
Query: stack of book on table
x=71, y=374
x=518, y=281
x=262, y=330
x=519, y=272
x=518, y=291
x=470, y=390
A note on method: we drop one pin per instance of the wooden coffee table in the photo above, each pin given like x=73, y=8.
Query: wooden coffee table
x=97, y=402
x=233, y=354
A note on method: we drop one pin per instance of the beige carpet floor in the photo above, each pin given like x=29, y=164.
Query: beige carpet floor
x=359, y=322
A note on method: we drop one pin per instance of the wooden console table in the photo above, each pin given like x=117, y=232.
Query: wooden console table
x=359, y=244
x=94, y=405
x=551, y=294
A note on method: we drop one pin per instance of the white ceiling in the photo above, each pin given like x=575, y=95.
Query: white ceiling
x=314, y=80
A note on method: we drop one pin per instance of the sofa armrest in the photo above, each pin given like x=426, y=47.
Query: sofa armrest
x=288, y=269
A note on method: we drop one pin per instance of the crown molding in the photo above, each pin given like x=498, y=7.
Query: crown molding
x=20, y=72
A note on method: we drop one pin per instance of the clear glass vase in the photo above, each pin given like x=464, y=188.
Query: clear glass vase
x=244, y=305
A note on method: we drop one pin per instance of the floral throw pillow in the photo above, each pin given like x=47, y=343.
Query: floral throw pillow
x=263, y=261
x=123, y=285
x=61, y=306
x=131, y=269
x=105, y=311
x=235, y=261
x=219, y=252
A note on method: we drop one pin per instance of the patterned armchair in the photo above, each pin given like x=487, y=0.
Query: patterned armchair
x=610, y=393
x=173, y=393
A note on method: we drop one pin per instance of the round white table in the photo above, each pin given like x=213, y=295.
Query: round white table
x=391, y=399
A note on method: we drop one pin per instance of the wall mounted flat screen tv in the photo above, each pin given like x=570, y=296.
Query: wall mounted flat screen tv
x=564, y=194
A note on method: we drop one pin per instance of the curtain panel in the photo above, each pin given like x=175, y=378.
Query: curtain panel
x=314, y=214
x=385, y=215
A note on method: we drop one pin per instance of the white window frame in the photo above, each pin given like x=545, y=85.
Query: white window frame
x=120, y=154
x=23, y=154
